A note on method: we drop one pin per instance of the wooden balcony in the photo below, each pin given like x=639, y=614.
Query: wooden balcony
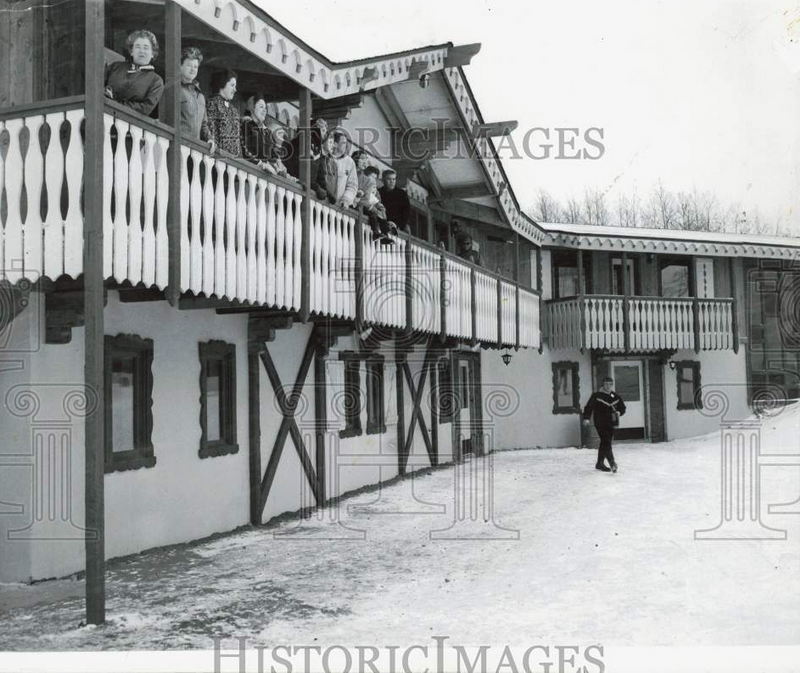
x=244, y=238
x=640, y=324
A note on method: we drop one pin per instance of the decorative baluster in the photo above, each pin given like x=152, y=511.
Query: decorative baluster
x=135, y=199
x=2, y=187
x=162, y=197
x=12, y=262
x=271, y=252
x=73, y=225
x=108, y=189
x=241, y=236
x=185, y=255
x=231, y=211
x=288, y=269
x=261, y=242
x=280, y=253
x=34, y=178
x=149, y=201
x=297, y=281
x=220, y=215
x=195, y=242
x=120, y=199
x=252, y=229
x=208, y=225
x=350, y=260
x=54, y=224
x=325, y=261
x=314, y=244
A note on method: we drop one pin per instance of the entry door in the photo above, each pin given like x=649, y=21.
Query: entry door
x=467, y=425
x=628, y=378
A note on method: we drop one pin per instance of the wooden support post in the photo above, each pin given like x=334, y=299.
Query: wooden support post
x=94, y=344
x=734, y=306
x=320, y=423
x=435, y=397
x=305, y=180
x=400, y=358
x=359, y=271
x=581, y=301
x=443, y=295
x=696, y=323
x=499, y=313
x=172, y=117
x=254, y=423
x=516, y=290
x=473, y=306
x=626, y=291
x=409, y=286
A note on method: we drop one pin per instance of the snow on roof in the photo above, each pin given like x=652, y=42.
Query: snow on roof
x=669, y=234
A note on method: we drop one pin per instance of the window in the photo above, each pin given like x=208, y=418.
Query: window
x=688, y=374
x=217, y=399
x=128, y=382
x=352, y=397
x=565, y=274
x=675, y=280
x=376, y=423
x=566, y=388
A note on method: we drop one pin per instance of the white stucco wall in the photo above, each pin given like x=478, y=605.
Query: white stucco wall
x=518, y=399
x=723, y=374
x=183, y=497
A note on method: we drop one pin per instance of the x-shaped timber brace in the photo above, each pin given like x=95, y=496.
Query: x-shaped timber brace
x=405, y=436
x=323, y=336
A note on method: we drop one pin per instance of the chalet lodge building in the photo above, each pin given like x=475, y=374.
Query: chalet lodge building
x=190, y=344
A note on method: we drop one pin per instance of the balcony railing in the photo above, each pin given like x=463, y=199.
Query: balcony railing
x=640, y=324
x=240, y=234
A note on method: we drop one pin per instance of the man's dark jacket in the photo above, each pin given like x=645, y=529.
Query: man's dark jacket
x=601, y=405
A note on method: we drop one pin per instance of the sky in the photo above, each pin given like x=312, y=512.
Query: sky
x=701, y=95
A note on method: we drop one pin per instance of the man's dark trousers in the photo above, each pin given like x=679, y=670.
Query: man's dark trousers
x=606, y=433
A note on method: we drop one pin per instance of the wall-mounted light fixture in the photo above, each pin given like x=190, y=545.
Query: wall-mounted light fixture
x=506, y=357
x=672, y=364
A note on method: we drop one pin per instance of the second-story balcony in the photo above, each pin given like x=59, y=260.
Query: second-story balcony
x=616, y=323
x=245, y=238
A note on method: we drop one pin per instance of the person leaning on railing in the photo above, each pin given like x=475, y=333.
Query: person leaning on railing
x=223, y=117
x=319, y=131
x=194, y=119
x=336, y=178
x=135, y=83
x=263, y=143
x=396, y=201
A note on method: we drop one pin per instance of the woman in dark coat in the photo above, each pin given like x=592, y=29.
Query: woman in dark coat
x=223, y=117
x=135, y=83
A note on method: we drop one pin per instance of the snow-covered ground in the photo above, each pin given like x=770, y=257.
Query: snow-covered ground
x=598, y=558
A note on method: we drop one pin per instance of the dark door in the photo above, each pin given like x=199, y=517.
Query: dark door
x=468, y=416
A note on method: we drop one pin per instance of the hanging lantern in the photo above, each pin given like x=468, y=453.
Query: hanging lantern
x=506, y=358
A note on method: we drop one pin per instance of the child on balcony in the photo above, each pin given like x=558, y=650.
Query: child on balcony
x=373, y=208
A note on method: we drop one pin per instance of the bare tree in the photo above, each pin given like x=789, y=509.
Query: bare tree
x=546, y=208
x=595, y=210
x=572, y=211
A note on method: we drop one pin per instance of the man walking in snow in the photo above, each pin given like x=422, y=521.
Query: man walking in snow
x=606, y=407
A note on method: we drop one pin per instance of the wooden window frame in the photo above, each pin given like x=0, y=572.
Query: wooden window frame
x=574, y=370
x=352, y=395
x=225, y=353
x=376, y=403
x=697, y=402
x=141, y=455
x=665, y=261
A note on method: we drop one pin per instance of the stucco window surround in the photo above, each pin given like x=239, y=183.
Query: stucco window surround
x=217, y=399
x=128, y=406
x=566, y=388
x=687, y=375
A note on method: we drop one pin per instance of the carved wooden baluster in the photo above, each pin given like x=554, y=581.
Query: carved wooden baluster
x=135, y=200
x=297, y=281
x=162, y=197
x=120, y=199
x=54, y=223
x=261, y=242
x=288, y=237
x=280, y=249
x=271, y=243
x=12, y=262
x=149, y=204
x=231, y=214
x=209, y=263
x=33, y=261
x=252, y=230
x=186, y=268
x=241, y=236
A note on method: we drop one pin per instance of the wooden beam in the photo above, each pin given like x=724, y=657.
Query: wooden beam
x=470, y=211
x=94, y=341
x=495, y=129
x=401, y=442
x=320, y=422
x=461, y=55
x=172, y=113
x=334, y=110
x=305, y=180
x=581, y=301
x=466, y=191
x=626, y=291
x=254, y=428
x=735, y=308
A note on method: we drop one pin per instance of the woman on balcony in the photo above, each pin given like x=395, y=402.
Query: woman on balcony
x=194, y=120
x=135, y=83
x=263, y=144
x=336, y=177
x=223, y=117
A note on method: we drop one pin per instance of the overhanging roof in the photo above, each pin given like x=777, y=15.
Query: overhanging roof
x=636, y=239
